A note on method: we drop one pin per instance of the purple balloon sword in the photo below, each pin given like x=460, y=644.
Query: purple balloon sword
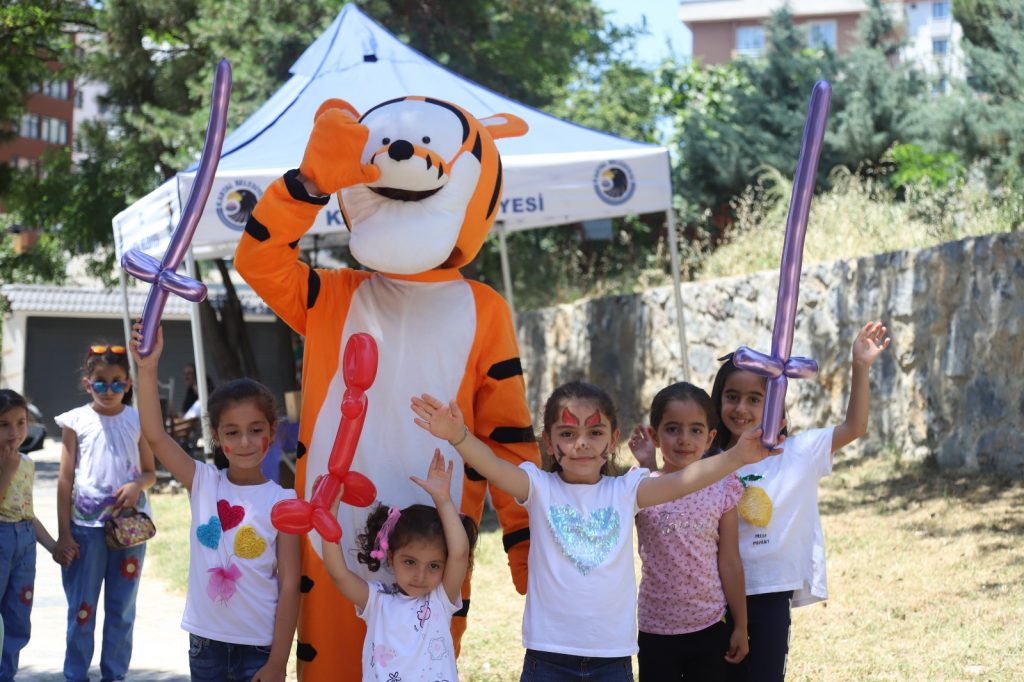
x=162, y=274
x=779, y=365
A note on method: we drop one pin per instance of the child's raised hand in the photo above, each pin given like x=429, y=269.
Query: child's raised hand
x=443, y=421
x=439, y=479
x=642, y=446
x=750, y=448
x=869, y=344
x=153, y=359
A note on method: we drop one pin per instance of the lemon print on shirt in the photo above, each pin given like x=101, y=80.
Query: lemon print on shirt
x=754, y=506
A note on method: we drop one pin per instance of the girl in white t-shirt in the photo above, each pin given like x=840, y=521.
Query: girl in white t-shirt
x=580, y=617
x=105, y=468
x=781, y=540
x=429, y=551
x=243, y=576
x=690, y=550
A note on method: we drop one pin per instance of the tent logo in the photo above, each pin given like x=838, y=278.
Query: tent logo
x=235, y=203
x=614, y=183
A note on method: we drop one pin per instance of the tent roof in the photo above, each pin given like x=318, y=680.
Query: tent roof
x=358, y=60
x=558, y=173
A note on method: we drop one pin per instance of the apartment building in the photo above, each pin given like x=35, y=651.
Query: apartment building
x=724, y=29
x=46, y=123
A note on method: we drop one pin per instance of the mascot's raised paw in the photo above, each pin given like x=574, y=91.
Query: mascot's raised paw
x=332, y=159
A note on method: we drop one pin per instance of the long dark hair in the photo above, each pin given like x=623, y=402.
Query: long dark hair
x=579, y=390
x=415, y=522
x=682, y=392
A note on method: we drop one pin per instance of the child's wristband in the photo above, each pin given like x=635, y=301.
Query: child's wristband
x=465, y=434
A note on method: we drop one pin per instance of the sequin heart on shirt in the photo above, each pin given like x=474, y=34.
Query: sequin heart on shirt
x=230, y=516
x=587, y=542
x=209, y=533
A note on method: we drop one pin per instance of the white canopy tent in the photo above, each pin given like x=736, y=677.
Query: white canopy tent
x=558, y=173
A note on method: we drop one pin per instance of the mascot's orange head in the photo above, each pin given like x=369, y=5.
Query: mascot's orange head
x=439, y=186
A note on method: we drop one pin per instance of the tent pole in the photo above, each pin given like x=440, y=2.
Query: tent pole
x=506, y=273
x=200, y=358
x=670, y=215
x=126, y=317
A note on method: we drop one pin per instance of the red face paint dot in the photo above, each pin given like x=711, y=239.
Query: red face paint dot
x=265, y=442
x=226, y=449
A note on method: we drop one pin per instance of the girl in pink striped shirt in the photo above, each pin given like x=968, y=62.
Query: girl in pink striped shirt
x=690, y=551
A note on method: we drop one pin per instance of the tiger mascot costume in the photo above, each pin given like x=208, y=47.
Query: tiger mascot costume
x=419, y=184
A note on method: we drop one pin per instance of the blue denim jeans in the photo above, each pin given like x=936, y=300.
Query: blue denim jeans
x=544, y=666
x=213, y=661
x=118, y=571
x=17, y=578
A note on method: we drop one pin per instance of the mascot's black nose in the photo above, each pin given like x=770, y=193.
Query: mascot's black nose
x=400, y=150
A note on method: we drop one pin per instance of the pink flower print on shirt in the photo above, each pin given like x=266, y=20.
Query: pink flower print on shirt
x=222, y=583
x=424, y=613
x=382, y=656
x=436, y=648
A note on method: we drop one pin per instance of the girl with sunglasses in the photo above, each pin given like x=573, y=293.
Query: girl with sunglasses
x=106, y=467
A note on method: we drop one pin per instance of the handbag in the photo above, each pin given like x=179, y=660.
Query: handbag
x=128, y=528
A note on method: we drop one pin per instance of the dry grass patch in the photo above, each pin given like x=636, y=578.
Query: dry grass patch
x=168, y=550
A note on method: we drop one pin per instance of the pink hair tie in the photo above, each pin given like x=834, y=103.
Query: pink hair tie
x=380, y=550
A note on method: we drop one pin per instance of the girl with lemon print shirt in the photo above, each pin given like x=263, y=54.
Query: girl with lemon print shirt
x=781, y=540
x=243, y=577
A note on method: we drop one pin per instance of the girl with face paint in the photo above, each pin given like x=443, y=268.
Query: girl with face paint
x=243, y=576
x=580, y=618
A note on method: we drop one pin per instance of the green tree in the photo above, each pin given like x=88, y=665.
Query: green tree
x=732, y=119
x=876, y=97
x=36, y=39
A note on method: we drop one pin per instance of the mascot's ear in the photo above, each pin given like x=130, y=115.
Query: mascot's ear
x=335, y=103
x=504, y=125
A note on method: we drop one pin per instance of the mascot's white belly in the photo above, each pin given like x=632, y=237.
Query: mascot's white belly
x=424, y=333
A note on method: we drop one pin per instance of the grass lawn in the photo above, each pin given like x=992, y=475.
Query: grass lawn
x=926, y=577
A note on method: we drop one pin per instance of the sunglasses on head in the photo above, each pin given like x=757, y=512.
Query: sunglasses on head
x=117, y=386
x=101, y=349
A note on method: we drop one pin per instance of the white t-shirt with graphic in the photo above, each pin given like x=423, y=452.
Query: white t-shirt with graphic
x=581, y=589
x=789, y=553
x=232, y=569
x=408, y=638
x=108, y=457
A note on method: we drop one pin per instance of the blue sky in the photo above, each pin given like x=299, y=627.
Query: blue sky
x=662, y=23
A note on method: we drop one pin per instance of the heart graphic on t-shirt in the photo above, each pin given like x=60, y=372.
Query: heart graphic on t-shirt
x=209, y=533
x=230, y=516
x=587, y=542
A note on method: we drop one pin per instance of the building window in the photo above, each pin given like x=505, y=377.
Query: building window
x=821, y=34
x=30, y=126
x=54, y=130
x=79, y=98
x=56, y=89
x=749, y=41
x=940, y=47
x=940, y=10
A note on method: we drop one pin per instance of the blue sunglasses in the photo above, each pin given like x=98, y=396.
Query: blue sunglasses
x=117, y=386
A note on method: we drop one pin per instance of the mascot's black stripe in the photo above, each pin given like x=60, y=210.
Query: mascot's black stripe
x=382, y=104
x=449, y=107
x=306, y=584
x=478, y=151
x=257, y=230
x=497, y=192
x=513, y=434
x=314, y=288
x=510, y=540
x=506, y=369
x=461, y=613
x=292, y=245
x=305, y=652
x=300, y=449
x=474, y=475
x=298, y=191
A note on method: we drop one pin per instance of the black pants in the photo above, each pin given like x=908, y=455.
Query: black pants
x=768, y=626
x=694, y=656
